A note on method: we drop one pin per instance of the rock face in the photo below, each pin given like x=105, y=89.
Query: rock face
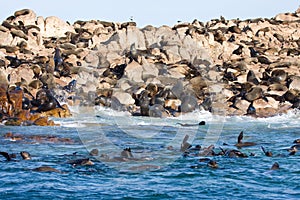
x=229, y=67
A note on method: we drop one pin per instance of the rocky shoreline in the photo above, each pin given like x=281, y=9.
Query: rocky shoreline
x=229, y=67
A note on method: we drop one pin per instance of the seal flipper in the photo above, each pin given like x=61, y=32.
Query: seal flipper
x=6, y=155
x=267, y=153
x=240, y=137
x=275, y=166
x=185, y=145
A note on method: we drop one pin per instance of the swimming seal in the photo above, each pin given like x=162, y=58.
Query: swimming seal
x=297, y=141
x=209, y=163
x=25, y=155
x=80, y=162
x=275, y=166
x=202, y=123
x=232, y=153
x=6, y=155
x=243, y=144
x=46, y=169
x=126, y=153
x=185, y=145
x=94, y=152
x=267, y=153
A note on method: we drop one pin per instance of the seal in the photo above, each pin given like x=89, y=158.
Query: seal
x=202, y=123
x=207, y=151
x=212, y=164
x=185, y=145
x=297, y=141
x=232, y=153
x=58, y=60
x=25, y=155
x=267, y=153
x=126, y=153
x=294, y=149
x=45, y=101
x=243, y=144
x=252, y=78
x=6, y=155
x=46, y=169
x=278, y=75
x=209, y=163
x=94, y=152
x=15, y=62
x=275, y=166
x=80, y=162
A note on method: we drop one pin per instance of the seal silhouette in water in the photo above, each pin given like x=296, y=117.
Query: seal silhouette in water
x=209, y=163
x=243, y=144
x=232, y=153
x=46, y=169
x=80, y=162
x=126, y=153
x=25, y=155
x=267, y=153
x=297, y=141
x=185, y=145
x=275, y=166
x=6, y=155
x=94, y=152
x=202, y=123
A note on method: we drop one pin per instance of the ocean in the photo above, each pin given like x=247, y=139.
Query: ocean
x=158, y=169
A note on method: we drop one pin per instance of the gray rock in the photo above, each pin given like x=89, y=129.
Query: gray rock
x=188, y=104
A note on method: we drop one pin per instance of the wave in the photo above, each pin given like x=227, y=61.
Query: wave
x=87, y=116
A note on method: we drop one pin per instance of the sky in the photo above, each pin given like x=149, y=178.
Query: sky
x=154, y=12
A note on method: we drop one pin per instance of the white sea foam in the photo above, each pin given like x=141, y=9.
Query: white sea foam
x=93, y=115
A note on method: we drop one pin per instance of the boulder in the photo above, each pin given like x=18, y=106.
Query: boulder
x=134, y=72
x=55, y=27
x=188, y=104
x=124, y=98
x=6, y=38
x=27, y=16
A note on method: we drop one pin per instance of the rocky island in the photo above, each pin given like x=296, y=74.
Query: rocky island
x=228, y=67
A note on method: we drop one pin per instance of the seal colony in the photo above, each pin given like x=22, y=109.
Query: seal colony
x=228, y=67
x=200, y=157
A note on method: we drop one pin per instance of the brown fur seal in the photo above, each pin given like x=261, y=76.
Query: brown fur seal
x=209, y=163
x=185, y=145
x=46, y=169
x=232, y=153
x=6, y=155
x=25, y=155
x=267, y=153
x=297, y=141
x=126, y=153
x=243, y=144
x=80, y=162
x=94, y=152
x=275, y=166
x=252, y=78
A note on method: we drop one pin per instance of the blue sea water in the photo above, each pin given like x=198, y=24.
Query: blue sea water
x=158, y=172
